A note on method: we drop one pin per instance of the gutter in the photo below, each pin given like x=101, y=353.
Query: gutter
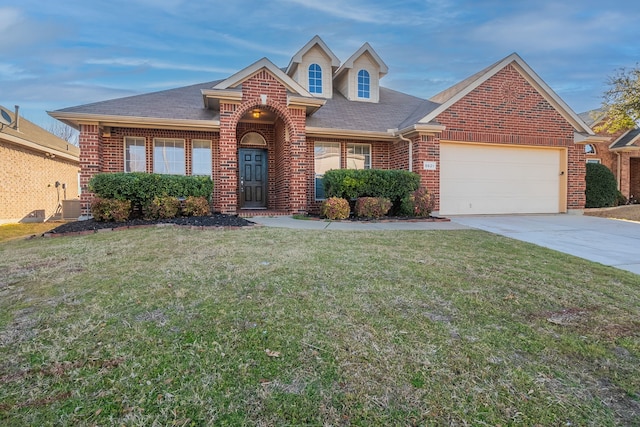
x=402, y=137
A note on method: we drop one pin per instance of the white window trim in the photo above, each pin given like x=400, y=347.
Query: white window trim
x=124, y=151
x=184, y=149
x=208, y=141
x=362, y=145
x=339, y=145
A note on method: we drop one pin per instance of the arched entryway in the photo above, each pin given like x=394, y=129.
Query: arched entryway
x=253, y=171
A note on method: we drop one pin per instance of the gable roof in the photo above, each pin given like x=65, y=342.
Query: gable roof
x=628, y=140
x=450, y=96
x=238, y=78
x=33, y=136
x=316, y=40
x=593, y=117
x=365, y=48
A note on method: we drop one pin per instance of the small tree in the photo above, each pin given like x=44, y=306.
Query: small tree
x=621, y=102
x=602, y=189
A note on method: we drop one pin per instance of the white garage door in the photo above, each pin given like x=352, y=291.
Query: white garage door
x=487, y=179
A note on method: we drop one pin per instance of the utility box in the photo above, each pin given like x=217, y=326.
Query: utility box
x=71, y=209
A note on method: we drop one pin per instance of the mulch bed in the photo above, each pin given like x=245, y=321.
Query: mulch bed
x=91, y=226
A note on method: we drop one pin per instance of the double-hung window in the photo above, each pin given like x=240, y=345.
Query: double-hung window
x=135, y=154
x=358, y=156
x=326, y=157
x=201, y=157
x=168, y=156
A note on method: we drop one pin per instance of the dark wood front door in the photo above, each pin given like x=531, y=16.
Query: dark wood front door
x=253, y=178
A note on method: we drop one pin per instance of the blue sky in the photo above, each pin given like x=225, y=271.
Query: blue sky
x=57, y=54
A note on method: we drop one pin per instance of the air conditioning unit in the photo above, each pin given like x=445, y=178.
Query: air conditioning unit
x=71, y=209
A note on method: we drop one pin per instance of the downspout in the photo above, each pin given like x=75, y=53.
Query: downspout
x=619, y=170
x=410, y=150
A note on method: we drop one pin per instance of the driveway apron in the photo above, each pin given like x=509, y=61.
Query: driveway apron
x=607, y=241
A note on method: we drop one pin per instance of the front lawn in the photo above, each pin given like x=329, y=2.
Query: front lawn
x=628, y=212
x=262, y=326
x=13, y=231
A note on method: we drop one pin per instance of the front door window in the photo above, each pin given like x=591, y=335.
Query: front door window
x=253, y=178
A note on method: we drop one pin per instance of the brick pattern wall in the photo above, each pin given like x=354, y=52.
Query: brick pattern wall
x=506, y=109
x=634, y=177
x=28, y=180
x=91, y=162
x=281, y=174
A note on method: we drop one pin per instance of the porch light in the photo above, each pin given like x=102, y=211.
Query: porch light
x=255, y=114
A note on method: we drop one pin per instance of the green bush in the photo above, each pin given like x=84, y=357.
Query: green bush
x=110, y=209
x=353, y=183
x=372, y=207
x=621, y=200
x=335, y=208
x=196, y=206
x=142, y=188
x=161, y=207
x=602, y=189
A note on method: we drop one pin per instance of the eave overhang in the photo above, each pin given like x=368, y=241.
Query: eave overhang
x=76, y=119
x=348, y=133
x=37, y=147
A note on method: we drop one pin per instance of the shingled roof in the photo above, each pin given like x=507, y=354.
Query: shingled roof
x=628, y=140
x=31, y=135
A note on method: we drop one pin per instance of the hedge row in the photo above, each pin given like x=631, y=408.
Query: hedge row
x=350, y=184
x=602, y=188
x=142, y=188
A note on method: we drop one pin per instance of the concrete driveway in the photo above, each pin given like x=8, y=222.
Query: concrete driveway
x=607, y=241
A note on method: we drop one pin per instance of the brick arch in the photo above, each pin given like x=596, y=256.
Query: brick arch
x=280, y=110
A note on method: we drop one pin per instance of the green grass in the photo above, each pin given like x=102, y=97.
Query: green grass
x=169, y=326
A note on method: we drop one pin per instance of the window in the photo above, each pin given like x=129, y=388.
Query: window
x=358, y=156
x=363, y=84
x=168, y=156
x=589, y=149
x=315, y=78
x=200, y=157
x=135, y=154
x=593, y=160
x=326, y=157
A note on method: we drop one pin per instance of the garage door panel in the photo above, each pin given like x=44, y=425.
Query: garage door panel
x=490, y=179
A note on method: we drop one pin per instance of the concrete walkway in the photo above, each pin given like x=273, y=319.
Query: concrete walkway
x=607, y=241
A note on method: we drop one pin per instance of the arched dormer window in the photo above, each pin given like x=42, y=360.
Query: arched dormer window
x=589, y=149
x=315, y=78
x=364, y=84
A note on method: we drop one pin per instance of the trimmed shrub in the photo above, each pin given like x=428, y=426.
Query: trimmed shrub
x=353, y=183
x=335, y=208
x=110, y=209
x=141, y=188
x=602, y=189
x=423, y=202
x=196, y=206
x=372, y=207
x=161, y=207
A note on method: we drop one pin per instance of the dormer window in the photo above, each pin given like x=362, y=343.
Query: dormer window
x=315, y=78
x=364, y=84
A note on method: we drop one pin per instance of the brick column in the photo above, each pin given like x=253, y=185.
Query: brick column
x=427, y=148
x=225, y=192
x=299, y=165
x=576, y=185
x=90, y=162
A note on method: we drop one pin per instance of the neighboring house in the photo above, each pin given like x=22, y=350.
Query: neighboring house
x=38, y=171
x=619, y=151
x=500, y=141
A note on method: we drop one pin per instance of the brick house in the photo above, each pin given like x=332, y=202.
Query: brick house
x=38, y=171
x=500, y=141
x=620, y=152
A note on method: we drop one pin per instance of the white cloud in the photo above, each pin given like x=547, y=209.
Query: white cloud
x=144, y=62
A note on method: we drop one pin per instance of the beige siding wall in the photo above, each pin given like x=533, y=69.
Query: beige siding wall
x=316, y=56
x=27, y=183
